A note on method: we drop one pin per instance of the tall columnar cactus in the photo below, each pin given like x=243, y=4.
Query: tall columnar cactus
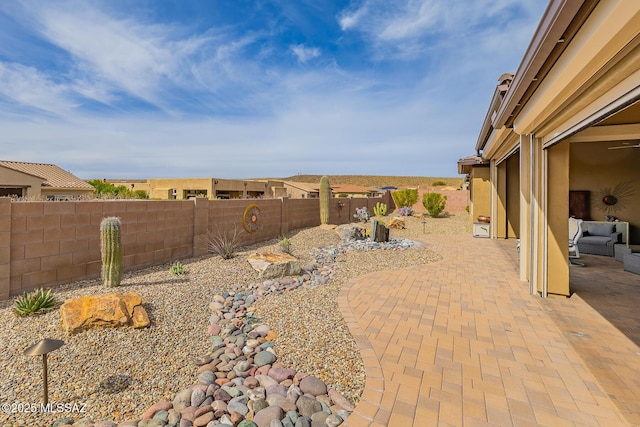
x=325, y=196
x=111, y=250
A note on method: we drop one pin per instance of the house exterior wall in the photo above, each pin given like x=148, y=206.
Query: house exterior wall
x=46, y=244
x=553, y=121
x=11, y=178
x=299, y=193
x=480, y=192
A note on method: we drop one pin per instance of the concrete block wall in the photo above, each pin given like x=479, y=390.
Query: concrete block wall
x=5, y=247
x=52, y=243
x=46, y=244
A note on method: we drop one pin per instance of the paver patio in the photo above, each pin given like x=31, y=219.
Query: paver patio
x=461, y=342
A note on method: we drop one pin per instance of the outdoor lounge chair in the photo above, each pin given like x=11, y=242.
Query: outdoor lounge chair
x=599, y=238
x=575, y=233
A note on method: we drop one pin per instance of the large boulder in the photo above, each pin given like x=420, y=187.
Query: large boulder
x=274, y=265
x=396, y=223
x=108, y=310
x=351, y=232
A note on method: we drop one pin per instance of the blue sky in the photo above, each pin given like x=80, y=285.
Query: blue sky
x=262, y=88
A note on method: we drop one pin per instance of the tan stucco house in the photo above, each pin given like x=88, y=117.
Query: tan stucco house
x=40, y=181
x=567, y=121
x=210, y=188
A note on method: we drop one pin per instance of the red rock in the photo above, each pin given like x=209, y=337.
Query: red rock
x=222, y=381
x=214, y=329
x=160, y=406
x=207, y=367
x=203, y=420
x=263, y=370
x=203, y=410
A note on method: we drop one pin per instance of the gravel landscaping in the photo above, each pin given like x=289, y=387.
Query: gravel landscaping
x=116, y=374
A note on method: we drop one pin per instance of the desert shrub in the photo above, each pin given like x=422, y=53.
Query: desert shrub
x=434, y=203
x=177, y=268
x=439, y=183
x=224, y=242
x=405, y=211
x=106, y=190
x=406, y=197
x=285, y=245
x=362, y=214
x=33, y=302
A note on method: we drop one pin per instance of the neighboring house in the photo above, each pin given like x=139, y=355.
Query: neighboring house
x=210, y=188
x=40, y=180
x=302, y=190
x=350, y=190
x=567, y=121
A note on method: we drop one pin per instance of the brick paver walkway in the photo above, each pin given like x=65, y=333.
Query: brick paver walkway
x=461, y=342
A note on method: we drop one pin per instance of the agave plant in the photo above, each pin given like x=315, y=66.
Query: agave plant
x=32, y=302
x=177, y=268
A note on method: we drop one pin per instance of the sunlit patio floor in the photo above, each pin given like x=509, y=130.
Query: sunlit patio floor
x=462, y=342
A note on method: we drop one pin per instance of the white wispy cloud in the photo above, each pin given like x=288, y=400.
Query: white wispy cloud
x=29, y=88
x=413, y=27
x=304, y=53
x=224, y=102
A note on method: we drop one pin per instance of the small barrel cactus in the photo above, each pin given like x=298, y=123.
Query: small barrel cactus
x=325, y=196
x=111, y=250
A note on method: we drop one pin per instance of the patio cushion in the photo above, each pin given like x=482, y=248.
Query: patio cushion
x=595, y=240
x=601, y=229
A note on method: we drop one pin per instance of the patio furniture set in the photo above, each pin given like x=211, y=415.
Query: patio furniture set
x=603, y=238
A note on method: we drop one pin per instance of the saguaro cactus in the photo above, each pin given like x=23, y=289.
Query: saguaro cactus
x=325, y=196
x=111, y=250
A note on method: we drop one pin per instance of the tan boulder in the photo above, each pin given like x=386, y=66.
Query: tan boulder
x=274, y=265
x=396, y=223
x=103, y=311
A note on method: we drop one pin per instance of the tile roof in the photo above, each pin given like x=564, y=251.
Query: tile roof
x=351, y=188
x=305, y=186
x=53, y=175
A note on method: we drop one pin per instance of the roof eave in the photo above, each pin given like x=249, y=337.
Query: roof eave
x=554, y=22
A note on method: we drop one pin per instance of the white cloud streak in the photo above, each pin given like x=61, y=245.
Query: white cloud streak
x=305, y=54
x=223, y=107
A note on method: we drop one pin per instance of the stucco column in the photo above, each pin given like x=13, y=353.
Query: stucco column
x=557, y=214
x=500, y=218
x=525, y=207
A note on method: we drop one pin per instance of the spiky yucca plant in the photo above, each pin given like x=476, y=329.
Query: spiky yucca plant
x=35, y=301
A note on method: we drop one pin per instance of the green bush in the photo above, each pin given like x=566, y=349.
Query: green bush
x=32, y=302
x=434, y=203
x=439, y=183
x=109, y=191
x=406, y=197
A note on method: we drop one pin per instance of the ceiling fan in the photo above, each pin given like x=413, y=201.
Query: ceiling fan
x=625, y=145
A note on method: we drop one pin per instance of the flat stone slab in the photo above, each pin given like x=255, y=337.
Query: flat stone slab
x=274, y=265
x=103, y=311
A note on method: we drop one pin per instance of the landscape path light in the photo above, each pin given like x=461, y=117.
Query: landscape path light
x=44, y=347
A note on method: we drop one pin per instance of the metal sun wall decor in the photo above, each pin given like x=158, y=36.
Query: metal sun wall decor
x=614, y=199
x=251, y=218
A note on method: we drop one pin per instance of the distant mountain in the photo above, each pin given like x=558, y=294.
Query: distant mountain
x=378, y=181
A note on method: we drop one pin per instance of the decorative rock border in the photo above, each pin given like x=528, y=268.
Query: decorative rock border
x=240, y=383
